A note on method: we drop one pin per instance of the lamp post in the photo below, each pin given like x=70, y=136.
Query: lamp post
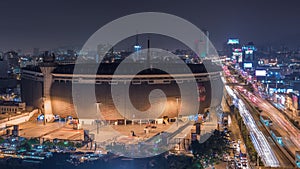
x=125, y=121
x=43, y=109
x=98, y=113
x=177, y=99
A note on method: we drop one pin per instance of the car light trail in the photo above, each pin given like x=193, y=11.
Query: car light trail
x=277, y=117
x=258, y=139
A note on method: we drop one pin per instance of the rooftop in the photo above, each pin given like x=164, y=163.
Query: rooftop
x=9, y=103
x=129, y=68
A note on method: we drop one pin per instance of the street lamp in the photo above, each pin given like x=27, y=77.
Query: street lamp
x=43, y=108
x=177, y=99
x=98, y=113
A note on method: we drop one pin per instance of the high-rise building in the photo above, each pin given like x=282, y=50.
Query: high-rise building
x=202, y=47
x=136, y=48
x=232, y=49
x=249, y=51
x=1, y=56
x=36, y=52
x=4, y=68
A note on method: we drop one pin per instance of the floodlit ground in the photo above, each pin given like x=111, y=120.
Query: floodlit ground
x=63, y=131
x=140, y=130
x=123, y=133
x=7, y=115
x=49, y=131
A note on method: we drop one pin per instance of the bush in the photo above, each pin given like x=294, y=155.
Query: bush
x=246, y=136
x=48, y=144
x=2, y=140
x=33, y=141
x=78, y=145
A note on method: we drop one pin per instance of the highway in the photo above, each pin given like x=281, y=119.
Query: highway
x=290, y=130
x=284, y=158
x=289, y=133
x=259, y=140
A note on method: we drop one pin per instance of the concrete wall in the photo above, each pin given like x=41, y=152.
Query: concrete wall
x=17, y=119
x=32, y=92
x=62, y=102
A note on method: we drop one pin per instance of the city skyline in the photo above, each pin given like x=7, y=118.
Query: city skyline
x=150, y=84
x=51, y=24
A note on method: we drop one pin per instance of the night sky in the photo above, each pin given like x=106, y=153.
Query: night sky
x=53, y=23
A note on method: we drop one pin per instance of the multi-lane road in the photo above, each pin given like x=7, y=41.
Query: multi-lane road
x=284, y=158
x=289, y=133
x=259, y=140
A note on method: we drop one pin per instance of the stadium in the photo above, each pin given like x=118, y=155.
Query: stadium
x=48, y=87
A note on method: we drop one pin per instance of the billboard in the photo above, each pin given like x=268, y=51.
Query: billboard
x=250, y=47
x=260, y=73
x=237, y=53
x=233, y=57
x=247, y=65
x=240, y=59
x=249, y=52
x=237, y=50
x=233, y=41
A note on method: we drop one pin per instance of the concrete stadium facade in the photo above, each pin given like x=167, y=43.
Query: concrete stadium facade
x=59, y=79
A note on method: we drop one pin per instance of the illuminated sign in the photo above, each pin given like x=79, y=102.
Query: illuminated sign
x=237, y=50
x=237, y=53
x=249, y=52
x=247, y=65
x=244, y=48
x=137, y=47
x=233, y=57
x=240, y=59
x=260, y=72
x=233, y=41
